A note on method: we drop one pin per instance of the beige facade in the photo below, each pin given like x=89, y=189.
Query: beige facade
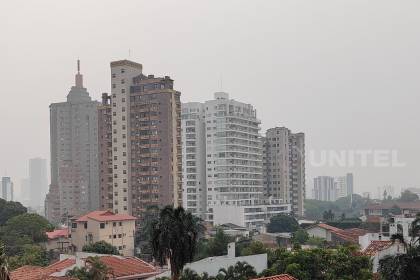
x=115, y=229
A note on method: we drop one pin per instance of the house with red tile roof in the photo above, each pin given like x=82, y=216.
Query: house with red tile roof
x=115, y=229
x=127, y=268
x=58, y=240
x=378, y=249
x=335, y=235
x=277, y=277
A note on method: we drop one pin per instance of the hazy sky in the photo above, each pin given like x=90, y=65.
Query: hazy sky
x=344, y=72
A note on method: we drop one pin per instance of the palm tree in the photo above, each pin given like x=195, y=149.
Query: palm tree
x=174, y=237
x=240, y=271
x=4, y=266
x=328, y=215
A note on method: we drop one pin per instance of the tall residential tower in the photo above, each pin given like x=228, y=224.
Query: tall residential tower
x=74, y=188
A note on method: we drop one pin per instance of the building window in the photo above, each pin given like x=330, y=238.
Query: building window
x=114, y=224
x=123, y=90
x=119, y=235
x=120, y=224
x=85, y=225
x=113, y=75
x=122, y=70
x=102, y=225
x=74, y=225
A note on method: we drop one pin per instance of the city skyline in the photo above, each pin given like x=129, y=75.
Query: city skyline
x=368, y=109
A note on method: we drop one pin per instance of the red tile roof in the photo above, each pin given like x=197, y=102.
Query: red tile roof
x=120, y=267
x=127, y=266
x=29, y=272
x=105, y=216
x=64, y=232
x=277, y=277
x=350, y=235
x=376, y=246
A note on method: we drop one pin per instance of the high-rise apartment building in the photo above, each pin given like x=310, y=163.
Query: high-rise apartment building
x=74, y=188
x=349, y=183
x=7, y=189
x=105, y=153
x=222, y=163
x=146, y=140
x=284, y=167
x=324, y=188
x=38, y=185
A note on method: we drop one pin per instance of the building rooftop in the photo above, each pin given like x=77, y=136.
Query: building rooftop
x=376, y=246
x=105, y=216
x=64, y=232
x=277, y=277
x=121, y=268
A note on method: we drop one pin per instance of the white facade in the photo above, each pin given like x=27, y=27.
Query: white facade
x=212, y=265
x=122, y=74
x=194, y=194
x=222, y=156
x=324, y=188
x=251, y=216
x=7, y=189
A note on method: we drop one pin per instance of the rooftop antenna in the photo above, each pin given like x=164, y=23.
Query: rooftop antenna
x=78, y=66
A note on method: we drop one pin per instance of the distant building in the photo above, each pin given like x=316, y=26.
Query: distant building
x=7, y=189
x=74, y=188
x=115, y=229
x=335, y=235
x=38, y=185
x=284, y=167
x=325, y=188
x=328, y=188
x=385, y=208
x=251, y=216
x=222, y=162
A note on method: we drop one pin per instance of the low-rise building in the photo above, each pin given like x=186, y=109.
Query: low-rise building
x=59, y=241
x=335, y=235
x=115, y=229
x=385, y=208
x=379, y=249
x=249, y=216
x=127, y=268
x=212, y=265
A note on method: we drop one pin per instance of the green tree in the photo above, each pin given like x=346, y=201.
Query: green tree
x=240, y=271
x=94, y=269
x=255, y=248
x=300, y=237
x=4, y=266
x=328, y=215
x=101, y=247
x=31, y=255
x=189, y=274
x=9, y=209
x=217, y=246
x=408, y=196
x=282, y=223
x=175, y=237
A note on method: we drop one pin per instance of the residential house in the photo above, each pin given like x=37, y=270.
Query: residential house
x=335, y=235
x=379, y=249
x=58, y=240
x=127, y=268
x=115, y=229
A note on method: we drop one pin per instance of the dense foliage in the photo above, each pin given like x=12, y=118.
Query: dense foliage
x=101, y=247
x=340, y=263
x=282, y=223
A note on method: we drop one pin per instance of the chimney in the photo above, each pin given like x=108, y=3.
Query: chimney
x=231, y=250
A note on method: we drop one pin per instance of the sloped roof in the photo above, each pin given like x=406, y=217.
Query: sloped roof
x=120, y=267
x=29, y=272
x=127, y=266
x=105, y=216
x=64, y=232
x=350, y=235
x=277, y=277
x=376, y=246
